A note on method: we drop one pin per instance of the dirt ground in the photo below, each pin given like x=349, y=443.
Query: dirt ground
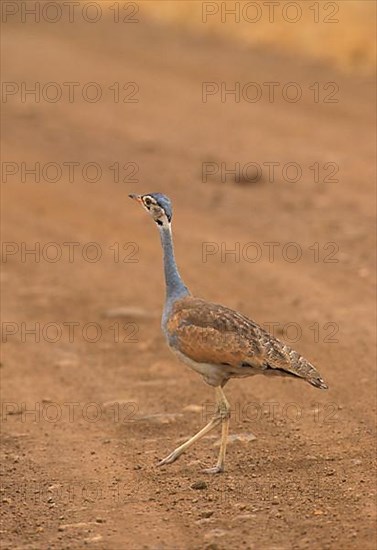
x=109, y=399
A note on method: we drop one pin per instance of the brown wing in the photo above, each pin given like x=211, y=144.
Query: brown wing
x=211, y=333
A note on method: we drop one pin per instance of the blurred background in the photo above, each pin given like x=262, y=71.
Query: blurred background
x=258, y=120
x=342, y=33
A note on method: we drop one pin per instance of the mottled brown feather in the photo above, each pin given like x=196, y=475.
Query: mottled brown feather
x=210, y=333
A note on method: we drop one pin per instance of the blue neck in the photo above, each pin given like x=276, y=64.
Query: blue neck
x=175, y=287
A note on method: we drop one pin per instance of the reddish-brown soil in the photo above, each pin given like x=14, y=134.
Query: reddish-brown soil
x=81, y=470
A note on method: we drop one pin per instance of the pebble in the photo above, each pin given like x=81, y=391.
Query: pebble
x=95, y=538
x=206, y=514
x=193, y=408
x=80, y=525
x=215, y=533
x=199, y=485
x=161, y=418
x=244, y=517
x=243, y=438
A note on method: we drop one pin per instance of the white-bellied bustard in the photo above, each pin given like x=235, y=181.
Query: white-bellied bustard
x=215, y=341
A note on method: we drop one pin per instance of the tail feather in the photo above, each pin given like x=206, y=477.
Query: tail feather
x=318, y=382
x=311, y=375
x=302, y=368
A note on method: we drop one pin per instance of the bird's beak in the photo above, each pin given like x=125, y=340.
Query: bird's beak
x=135, y=197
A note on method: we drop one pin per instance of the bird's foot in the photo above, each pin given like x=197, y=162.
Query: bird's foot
x=169, y=459
x=215, y=470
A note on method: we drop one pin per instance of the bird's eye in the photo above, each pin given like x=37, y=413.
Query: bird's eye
x=147, y=202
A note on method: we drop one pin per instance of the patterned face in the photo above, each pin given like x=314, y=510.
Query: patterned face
x=158, y=206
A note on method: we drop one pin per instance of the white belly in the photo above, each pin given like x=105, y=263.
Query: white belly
x=214, y=375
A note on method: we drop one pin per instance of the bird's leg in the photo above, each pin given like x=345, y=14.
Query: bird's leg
x=215, y=421
x=224, y=411
x=222, y=416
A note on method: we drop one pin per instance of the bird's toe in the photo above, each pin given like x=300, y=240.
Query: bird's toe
x=214, y=470
x=167, y=460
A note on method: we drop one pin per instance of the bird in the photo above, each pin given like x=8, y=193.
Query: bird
x=215, y=341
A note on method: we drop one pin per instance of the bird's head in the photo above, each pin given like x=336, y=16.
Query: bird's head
x=158, y=206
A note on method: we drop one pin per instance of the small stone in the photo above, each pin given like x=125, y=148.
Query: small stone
x=215, y=533
x=206, y=514
x=243, y=438
x=94, y=538
x=199, y=485
x=193, y=408
x=246, y=517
